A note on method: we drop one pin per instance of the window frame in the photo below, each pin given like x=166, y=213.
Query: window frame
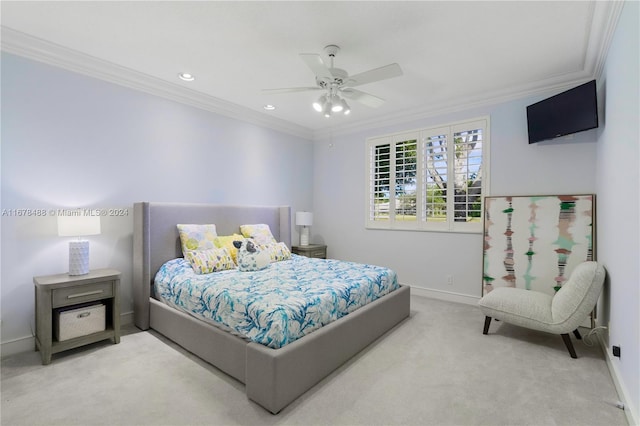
x=420, y=135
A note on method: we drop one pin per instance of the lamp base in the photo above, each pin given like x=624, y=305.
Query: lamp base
x=304, y=236
x=79, y=257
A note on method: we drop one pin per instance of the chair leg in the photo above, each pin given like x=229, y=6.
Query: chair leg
x=569, y=345
x=487, y=321
x=577, y=334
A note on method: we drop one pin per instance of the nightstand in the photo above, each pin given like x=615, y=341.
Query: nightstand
x=56, y=293
x=318, y=251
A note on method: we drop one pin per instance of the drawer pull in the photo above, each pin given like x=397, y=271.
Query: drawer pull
x=83, y=315
x=88, y=293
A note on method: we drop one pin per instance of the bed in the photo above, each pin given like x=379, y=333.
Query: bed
x=273, y=377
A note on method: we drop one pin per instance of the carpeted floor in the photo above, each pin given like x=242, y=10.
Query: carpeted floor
x=436, y=368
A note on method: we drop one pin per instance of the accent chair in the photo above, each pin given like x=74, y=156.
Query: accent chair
x=558, y=314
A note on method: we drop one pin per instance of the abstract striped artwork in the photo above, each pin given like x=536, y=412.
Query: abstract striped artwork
x=534, y=242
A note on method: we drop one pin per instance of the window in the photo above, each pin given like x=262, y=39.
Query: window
x=429, y=179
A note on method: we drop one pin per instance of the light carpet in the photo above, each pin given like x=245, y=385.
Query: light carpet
x=435, y=368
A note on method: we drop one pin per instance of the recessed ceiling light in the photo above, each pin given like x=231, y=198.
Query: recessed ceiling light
x=186, y=76
x=269, y=107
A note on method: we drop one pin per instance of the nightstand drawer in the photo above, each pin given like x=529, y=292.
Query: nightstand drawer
x=320, y=253
x=81, y=294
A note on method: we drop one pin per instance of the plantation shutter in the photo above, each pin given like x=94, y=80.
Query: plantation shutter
x=406, y=169
x=467, y=171
x=379, y=180
x=435, y=176
x=429, y=179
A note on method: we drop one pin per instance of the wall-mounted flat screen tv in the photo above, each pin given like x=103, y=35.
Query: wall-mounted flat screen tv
x=568, y=112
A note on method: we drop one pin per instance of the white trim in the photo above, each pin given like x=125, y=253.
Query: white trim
x=630, y=410
x=30, y=47
x=557, y=84
x=17, y=346
x=448, y=296
x=605, y=17
x=28, y=343
x=603, y=26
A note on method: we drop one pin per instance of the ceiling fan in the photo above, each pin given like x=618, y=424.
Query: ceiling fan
x=338, y=85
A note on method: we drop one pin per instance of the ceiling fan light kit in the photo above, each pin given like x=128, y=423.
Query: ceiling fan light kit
x=319, y=104
x=336, y=103
x=347, y=109
x=338, y=85
x=327, y=110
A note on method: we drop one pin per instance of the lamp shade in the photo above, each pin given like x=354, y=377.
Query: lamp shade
x=76, y=226
x=304, y=218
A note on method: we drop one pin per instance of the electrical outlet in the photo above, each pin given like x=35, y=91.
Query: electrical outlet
x=450, y=279
x=616, y=351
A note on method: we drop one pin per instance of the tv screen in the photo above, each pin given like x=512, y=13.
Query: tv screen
x=569, y=112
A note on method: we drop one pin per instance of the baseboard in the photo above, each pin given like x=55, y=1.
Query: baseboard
x=28, y=343
x=126, y=318
x=445, y=295
x=17, y=346
x=630, y=410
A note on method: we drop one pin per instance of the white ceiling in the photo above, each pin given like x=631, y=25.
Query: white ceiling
x=452, y=53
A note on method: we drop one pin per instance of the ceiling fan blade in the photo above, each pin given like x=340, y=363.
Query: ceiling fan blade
x=377, y=74
x=362, y=97
x=317, y=65
x=291, y=90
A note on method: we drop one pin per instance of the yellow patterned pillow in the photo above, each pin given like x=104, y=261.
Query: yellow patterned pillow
x=277, y=251
x=197, y=237
x=261, y=233
x=226, y=241
x=208, y=261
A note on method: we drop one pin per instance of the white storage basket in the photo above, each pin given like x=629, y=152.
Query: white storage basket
x=78, y=322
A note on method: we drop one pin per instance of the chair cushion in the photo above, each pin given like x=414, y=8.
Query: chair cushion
x=560, y=314
x=531, y=309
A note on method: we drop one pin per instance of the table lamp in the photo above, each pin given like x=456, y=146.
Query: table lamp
x=78, y=226
x=304, y=219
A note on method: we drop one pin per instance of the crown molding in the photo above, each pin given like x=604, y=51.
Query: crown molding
x=603, y=25
x=605, y=15
x=18, y=43
x=558, y=83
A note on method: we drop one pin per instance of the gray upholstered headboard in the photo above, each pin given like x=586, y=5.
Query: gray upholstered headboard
x=156, y=239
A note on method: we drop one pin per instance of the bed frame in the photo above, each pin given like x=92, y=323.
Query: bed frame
x=273, y=377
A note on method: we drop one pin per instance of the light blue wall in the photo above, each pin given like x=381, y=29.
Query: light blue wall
x=69, y=140
x=425, y=259
x=74, y=141
x=618, y=178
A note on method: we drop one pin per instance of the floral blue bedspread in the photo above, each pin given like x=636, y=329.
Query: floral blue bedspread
x=279, y=304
